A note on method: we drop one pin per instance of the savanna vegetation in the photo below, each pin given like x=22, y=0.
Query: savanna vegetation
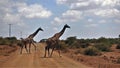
x=8, y=40
x=90, y=47
x=93, y=52
x=8, y=45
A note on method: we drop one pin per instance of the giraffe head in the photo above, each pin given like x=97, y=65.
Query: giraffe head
x=40, y=29
x=67, y=26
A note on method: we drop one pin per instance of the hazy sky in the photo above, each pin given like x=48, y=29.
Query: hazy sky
x=87, y=18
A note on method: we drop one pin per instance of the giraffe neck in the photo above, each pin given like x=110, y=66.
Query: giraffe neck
x=34, y=34
x=60, y=33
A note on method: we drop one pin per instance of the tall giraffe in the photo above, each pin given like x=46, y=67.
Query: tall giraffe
x=29, y=40
x=53, y=41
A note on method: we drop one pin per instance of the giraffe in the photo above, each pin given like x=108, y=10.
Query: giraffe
x=52, y=42
x=29, y=40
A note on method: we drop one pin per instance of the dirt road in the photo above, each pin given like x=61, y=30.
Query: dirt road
x=36, y=60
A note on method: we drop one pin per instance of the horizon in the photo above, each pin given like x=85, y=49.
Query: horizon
x=69, y=37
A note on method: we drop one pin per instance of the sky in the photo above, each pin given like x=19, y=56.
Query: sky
x=87, y=18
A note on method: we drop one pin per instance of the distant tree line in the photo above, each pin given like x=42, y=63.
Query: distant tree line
x=73, y=42
x=8, y=40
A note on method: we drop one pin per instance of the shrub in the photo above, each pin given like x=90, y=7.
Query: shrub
x=103, y=47
x=8, y=40
x=62, y=46
x=75, y=45
x=84, y=45
x=118, y=46
x=92, y=51
x=70, y=40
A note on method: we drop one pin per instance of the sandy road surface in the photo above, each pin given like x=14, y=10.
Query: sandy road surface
x=36, y=60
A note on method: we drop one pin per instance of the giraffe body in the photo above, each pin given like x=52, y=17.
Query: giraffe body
x=29, y=40
x=53, y=42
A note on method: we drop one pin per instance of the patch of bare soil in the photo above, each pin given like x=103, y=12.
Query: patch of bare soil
x=6, y=51
x=36, y=60
x=106, y=60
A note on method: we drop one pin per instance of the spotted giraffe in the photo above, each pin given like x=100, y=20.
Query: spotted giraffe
x=29, y=40
x=53, y=42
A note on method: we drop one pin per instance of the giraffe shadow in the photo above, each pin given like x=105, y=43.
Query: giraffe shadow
x=50, y=57
x=45, y=57
x=25, y=54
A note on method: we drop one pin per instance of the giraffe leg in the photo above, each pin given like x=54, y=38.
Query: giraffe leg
x=58, y=47
x=26, y=49
x=59, y=51
x=45, y=51
x=34, y=46
x=29, y=47
x=48, y=52
x=51, y=52
x=21, y=47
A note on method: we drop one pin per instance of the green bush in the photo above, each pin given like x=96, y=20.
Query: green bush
x=2, y=42
x=75, y=45
x=92, y=51
x=103, y=47
x=118, y=46
x=70, y=40
x=84, y=45
x=73, y=42
x=8, y=40
x=62, y=46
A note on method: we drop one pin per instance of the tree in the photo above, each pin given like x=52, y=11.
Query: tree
x=71, y=40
